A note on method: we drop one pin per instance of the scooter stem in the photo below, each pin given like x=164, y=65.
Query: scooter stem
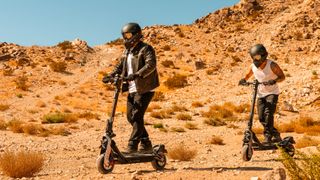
x=254, y=96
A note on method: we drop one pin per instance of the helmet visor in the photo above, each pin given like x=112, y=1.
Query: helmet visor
x=257, y=57
x=127, y=35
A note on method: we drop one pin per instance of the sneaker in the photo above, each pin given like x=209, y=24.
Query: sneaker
x=132, y=148
x=276, y=138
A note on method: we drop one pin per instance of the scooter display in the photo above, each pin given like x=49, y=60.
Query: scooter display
x=250, y=140
x=111, y=155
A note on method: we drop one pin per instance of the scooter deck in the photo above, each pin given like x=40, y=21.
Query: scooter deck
x=262, y=147
x=135, y=158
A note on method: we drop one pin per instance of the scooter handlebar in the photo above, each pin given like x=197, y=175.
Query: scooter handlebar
x=255, y=82
x=110, y=79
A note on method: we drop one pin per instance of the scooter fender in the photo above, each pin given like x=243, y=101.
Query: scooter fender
x=159, y=148
x=107, y=151
x=287, y=141
x=247, y=138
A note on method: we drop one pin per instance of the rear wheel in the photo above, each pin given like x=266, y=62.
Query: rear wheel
x=290, y=150
x=160, y=162
x=247, y=152
x=102, y=168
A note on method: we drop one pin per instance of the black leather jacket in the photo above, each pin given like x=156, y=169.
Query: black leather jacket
x=144, y=64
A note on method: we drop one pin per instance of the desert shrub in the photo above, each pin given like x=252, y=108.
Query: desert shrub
x=32, y=129
x=184, y=116
x=21, y=83
x=177, y=129
x=182, y=153
x=167, y=63
x=60, y=130
x=89, y=115
x=151, y=107
x=216, y=140
x=158, y=96
x=178, y=108
x=160, y=114
x=65, y=45
x=58, y=66
x=303, y=166
x=3, y=125
x=306, y=141
x=59, y=117
x=191, y=126
x=4, y=107
x=176, y=81
x=214, y=122
x=197, y=104
x=21, y=164
x=303, y=124
x=16, y=126
x=166, y=48
x=158, y=125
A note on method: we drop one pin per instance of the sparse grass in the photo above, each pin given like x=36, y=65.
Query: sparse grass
x=232, y=126
x=303, y=166
x=177, y=129
x=216, y=140
x=158, y=96
x=19, y=95
x=59, y=117
x=21, y=164
x=178, y=108
x=158, y=126
x=184, y=117
x=191, y=126
x=4, y=107
x=306, y=141
x=58, y=66
x=16, y=126
x=197, y=104
x=21, y=83
x=176, y=81
x=151, y=107
x=182, y=153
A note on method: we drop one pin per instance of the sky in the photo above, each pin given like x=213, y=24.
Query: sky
x=48, y=22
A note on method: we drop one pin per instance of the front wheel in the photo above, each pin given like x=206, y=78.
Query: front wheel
x=102, y=168
x=247, y=152
x=160, y=162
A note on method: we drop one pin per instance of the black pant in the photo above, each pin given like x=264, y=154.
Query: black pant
x=137, y=105
x=266, y=109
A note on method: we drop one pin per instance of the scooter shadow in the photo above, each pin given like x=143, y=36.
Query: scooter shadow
x=217, y=169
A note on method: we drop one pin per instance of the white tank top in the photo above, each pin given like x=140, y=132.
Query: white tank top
x=132, y=84
x=264, y=75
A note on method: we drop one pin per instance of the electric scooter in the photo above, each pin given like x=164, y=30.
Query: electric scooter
x=250, y=140
x=111, y=155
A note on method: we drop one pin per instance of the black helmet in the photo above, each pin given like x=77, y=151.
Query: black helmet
x=258, y=49
x=131, y=34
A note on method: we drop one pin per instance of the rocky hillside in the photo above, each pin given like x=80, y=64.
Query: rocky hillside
x=209, y=57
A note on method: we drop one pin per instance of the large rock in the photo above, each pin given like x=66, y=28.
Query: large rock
x=276, y=174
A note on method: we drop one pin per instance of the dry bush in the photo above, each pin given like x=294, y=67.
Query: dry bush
x=3, y=125
x=59, y=117
x=32, y=129
x=160, y=126
x=184, y=117
x=219, y=113
x=151, y=107
x=178, y=108
x=167, y=63
x=160, y=114
x=65, y=45
x=16, y=126
x=158, y=96
x=176, y=81
x=177, y=129
x=58, y=66
x=232, y=126
x=216, y=140
x=60, y=130
x=306, y=141
x=303, y=166
x=214, y=122
x=191, y=126
x=89, y=115
x=21, y=83
x=166, y=48
x=182, y=153
x=197, y=104
x=21, y=164
x=4, y=107
x=303, y=124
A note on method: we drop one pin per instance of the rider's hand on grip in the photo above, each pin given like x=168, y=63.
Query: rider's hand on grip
x=242, y=82
x=106, y=79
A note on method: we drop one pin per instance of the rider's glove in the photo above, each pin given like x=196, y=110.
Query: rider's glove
x=272, y=82
x=106, y=79
x=132, y=77
x=242, y=81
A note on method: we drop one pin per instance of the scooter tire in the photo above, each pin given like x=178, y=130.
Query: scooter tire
x=159, y=164
x=101, y=167
x=247, y=152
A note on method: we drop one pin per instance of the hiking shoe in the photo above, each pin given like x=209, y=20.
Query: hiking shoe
x=145, y=146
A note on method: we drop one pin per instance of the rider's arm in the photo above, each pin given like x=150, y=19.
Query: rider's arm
x=248, y=75
x=278, y=71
